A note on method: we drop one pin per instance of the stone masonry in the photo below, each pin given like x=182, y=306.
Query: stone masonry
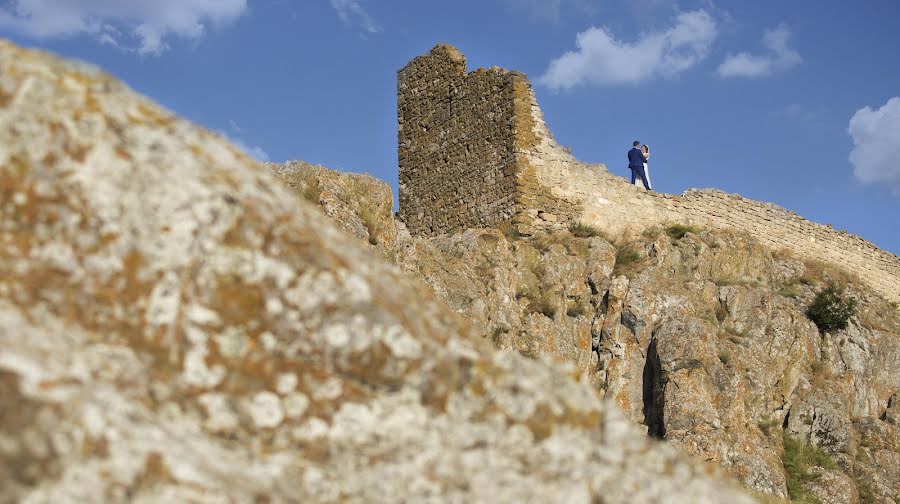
x=456, y=143
x=474, y=151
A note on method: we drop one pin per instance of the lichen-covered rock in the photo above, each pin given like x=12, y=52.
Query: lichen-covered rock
x=176, y=327
x=702, y=339
x=359, y=204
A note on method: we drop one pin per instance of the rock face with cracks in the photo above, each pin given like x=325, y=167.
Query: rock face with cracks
x=699, y=336
x=176, y=326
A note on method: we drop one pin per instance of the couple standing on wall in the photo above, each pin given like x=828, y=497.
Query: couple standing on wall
x=637, y=162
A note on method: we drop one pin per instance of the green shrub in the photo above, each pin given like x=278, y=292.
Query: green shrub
x=677, y=231
x=583, y=230
x=798, y=458
x=831, y=309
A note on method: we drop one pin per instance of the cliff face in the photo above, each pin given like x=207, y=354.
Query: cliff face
x=177, y=326
x=701, y=337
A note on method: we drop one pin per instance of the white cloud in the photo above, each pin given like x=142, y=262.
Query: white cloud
x=353, y=14
x=143, y=26
x=876, y=149
x=601, y=59
x=780, y=57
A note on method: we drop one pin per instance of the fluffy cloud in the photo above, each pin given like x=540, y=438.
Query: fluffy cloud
x=143, y=26
x=601, y=59
x=353, y=14
x=876, y=151
x=779, y=56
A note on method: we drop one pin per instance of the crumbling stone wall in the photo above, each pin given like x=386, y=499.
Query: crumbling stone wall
x=455, y=143
x=494, y=159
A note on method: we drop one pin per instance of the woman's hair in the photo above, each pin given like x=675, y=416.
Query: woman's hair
x=645, y=147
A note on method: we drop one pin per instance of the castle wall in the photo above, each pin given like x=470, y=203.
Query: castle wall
x=492, y=158
x=611, y=203
x=455, y=144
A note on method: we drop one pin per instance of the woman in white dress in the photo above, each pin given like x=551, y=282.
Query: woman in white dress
x=646, y=150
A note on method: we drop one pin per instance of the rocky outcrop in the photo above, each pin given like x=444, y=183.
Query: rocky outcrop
x=175, y=326
x=699, y=336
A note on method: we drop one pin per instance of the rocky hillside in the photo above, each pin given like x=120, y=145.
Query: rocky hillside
x=176, y=325
x=701, y=338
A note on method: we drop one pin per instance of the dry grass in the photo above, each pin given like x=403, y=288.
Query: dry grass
x=627, y=260
x=371, y=222
x=677, y=231
x=583, y=230
x=573, y=246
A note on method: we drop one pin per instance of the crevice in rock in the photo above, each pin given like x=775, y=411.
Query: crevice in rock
x=654, y=392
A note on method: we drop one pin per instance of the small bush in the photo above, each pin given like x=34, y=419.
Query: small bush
x=625, y=258
x=677, y=231
x=798, y=458
x=583, y=230
x=831, y=309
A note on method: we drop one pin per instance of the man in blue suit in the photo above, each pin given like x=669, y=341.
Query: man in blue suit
x=636, y=162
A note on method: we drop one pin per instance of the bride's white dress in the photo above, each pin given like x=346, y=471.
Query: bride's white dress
x=640, y=183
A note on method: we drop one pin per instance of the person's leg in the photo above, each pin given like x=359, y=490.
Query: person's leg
x=647, y=175
x=633, y=176
x=644, y=179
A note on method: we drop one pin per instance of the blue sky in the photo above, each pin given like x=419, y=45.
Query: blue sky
x=788, y=102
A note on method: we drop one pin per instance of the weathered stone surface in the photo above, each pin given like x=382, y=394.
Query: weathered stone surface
x=703, y=340
x=359, y=204
x=176, y=327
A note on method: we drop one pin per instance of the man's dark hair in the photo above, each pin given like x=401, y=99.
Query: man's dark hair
x=636, y=143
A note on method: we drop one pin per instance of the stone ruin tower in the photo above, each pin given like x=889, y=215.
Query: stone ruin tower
x=474, y=151
x=461, y=142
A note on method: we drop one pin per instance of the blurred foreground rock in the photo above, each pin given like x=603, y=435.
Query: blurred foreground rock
x=175, y=326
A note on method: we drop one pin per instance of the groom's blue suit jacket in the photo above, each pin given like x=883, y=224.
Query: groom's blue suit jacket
x=636, y=158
